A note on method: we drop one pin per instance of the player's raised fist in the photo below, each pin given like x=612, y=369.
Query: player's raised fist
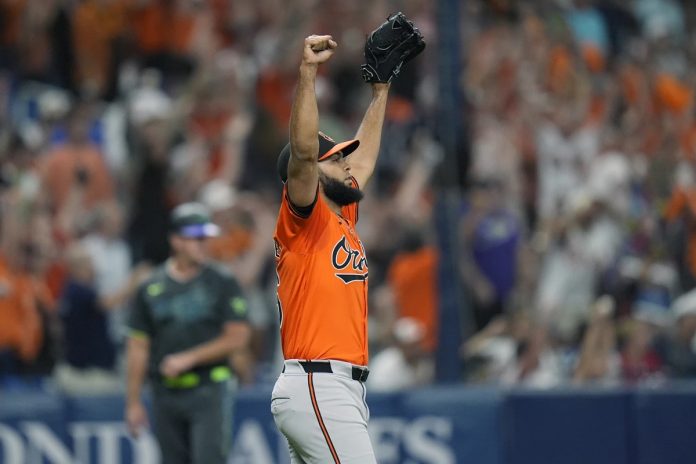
x=318, y=49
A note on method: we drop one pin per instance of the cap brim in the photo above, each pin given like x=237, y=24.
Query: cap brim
x=199, y=231
x=346, y=148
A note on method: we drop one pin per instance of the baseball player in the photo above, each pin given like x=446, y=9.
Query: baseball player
x=318, y=401
x=185, y=321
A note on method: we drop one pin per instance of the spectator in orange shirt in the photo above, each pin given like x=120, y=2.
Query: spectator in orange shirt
x=20, y=324
x=412, y=276
x=171, y=33
x=96, y=27
x=76, y=165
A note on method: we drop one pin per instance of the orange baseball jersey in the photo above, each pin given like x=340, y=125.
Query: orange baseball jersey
x=322, y=283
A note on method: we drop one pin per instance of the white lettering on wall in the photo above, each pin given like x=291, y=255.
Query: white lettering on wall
x=425, y=440
x=385, y=434
x=109, y=438
x=38, y=444
x=251, y=445
x=43, y=443
x=11, y=446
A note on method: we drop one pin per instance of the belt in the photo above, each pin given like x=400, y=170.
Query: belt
x=198, y=377
x=345, y=369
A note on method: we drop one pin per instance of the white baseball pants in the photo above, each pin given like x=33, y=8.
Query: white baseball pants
x=323, y=415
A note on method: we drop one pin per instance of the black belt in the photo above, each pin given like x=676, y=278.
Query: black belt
x=358, y=373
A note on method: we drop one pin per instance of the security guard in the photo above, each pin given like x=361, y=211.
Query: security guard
x=185, y=321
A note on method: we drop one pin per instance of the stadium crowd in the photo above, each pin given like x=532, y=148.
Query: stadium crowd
x=576, y=232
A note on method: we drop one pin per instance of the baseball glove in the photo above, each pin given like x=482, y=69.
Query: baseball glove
x=393, y=43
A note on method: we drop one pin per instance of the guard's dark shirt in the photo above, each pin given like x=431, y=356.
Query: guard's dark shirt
x=176, y=316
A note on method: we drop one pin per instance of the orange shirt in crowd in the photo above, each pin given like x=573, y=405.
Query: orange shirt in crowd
x=560, y=69
x=12, y=12
x=322, y=284
x=161, y=28
x=632, y=82
x=412, y=277
x=20, y=324
x=95, y=26
x=230, y=244
x=55, y=277
x=210, y=126
x=593, y=57
x=671, y=94
x=399, y=110
x=274, y=93
x=58, y=174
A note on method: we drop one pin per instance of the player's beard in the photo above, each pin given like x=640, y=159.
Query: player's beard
x=338, y=192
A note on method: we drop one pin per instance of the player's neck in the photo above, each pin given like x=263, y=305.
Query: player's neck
x=182, y=270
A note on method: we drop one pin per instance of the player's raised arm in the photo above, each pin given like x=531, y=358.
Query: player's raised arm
x=393, y=43
x=364, y=158
x=303, y=173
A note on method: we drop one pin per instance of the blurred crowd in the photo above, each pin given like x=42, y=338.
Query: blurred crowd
x=576, y=238
x=578, y=230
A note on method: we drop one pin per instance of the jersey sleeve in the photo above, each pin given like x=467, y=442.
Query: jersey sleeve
x=233, y=306
x=140, y=319
x=350, y=212
x=301, y=233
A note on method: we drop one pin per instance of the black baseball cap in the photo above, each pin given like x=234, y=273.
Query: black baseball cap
x=192, y=220
x=327, y=147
